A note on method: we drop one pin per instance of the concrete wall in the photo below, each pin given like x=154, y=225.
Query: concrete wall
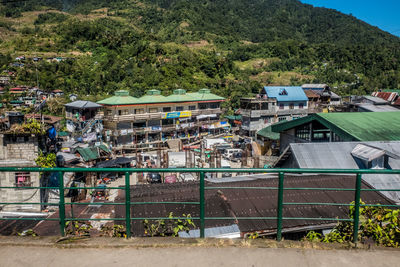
x=18, y=151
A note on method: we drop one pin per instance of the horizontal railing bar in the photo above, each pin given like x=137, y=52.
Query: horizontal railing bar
x=132, y=203
x=317, y=203
x=318, y=188
x=229, y=170
x=94, y=187
x=164, y=218
x=93, y=203
x=94, y=219
x=240, y=187
x=317, y=219
x=166, y=202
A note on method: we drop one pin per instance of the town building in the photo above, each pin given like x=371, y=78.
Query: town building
x=274, y=104
x=339, y=127
x=19, y=150
x=154, y=118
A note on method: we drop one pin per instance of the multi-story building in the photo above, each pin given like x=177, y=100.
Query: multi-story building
x=154, y=118
x=274, y=104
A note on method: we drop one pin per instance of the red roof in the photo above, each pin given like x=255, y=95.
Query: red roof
x=388, y=96
x=16, y=89
x=311, y=94
x=57, y=91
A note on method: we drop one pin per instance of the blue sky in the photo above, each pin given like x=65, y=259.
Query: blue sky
x=382, y=13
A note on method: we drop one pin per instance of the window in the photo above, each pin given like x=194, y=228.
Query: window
x=166, y=109
x=119, y=112
x=179, y=108
x=124, y=112
x=378, y=163
x=139, y=111
x=192, y=107
x=153, y=110
x=22, y=179
x=291, y=106
x=109, y=112
x=281, y=106
x=203, y=106
x=214, y=105
x=282, y=118
x=301, y=106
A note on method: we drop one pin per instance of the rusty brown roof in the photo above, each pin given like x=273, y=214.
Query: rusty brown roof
x=250, y=203
x=388, y=96
x=311, y=94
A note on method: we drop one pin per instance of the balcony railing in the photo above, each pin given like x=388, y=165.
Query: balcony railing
x=279, y=218
x=158, y=115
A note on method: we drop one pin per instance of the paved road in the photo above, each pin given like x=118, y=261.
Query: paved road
x=194, y=256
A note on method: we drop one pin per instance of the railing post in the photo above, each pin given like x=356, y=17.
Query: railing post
x=127, y=205
x=356, y=218
x=202, y=221
x=61, y=204
x=280, y=207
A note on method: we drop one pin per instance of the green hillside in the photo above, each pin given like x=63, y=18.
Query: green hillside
x=230, y=46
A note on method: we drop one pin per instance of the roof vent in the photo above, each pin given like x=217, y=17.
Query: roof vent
x=121, y=93
x=372, y=157
x=204, y=91
x=283, y=91
x=153, y=92
x=179, y=92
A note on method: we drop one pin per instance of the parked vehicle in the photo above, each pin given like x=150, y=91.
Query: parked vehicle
x=229, y=153
x=154, y=178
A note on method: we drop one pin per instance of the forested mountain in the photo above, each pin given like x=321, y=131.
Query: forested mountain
x=230, y=46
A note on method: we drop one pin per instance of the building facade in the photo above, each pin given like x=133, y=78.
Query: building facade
x=154, y=118
x=19, y=151
x=274, y=104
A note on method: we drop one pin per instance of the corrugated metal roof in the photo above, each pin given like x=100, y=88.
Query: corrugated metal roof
x=206, y=95
x=366, y=152
x=337, y=155
x=268, y=133
x=91, y=153
x=320, y=86
x=377, y=108
x=83, y=104
x=376, y=100
x=361, y=126
x=311, y=94
x=121, y=97
x=250, y=203
x=388, y=96
x=293, y=93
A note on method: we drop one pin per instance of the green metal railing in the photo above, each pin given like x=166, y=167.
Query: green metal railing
x=202, y=218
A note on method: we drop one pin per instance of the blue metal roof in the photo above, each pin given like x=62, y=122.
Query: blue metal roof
x=285, y=93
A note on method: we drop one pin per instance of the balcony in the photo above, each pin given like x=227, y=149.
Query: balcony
x=158, y=115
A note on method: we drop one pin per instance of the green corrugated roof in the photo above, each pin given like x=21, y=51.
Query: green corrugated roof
x=234, y=117
x=180, y=95
x=205, y=95
x=16, y=102
x=354, y=126
x=268, y=133
x=152, y=97
x=121, y=97
x=91, y=153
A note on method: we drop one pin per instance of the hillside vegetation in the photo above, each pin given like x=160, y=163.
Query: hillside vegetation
x=230, y=46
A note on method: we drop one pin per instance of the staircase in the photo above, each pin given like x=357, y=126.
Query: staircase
x=283, y=157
